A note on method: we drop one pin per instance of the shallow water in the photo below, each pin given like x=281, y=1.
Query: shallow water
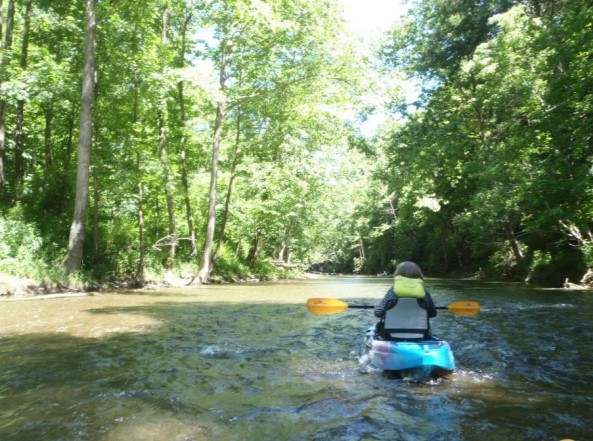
x=248, y=362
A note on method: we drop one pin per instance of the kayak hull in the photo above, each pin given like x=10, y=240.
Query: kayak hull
x=427, y=358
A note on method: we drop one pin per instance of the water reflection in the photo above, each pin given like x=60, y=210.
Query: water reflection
x=250, y=363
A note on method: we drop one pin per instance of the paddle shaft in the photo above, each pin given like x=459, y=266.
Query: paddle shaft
x=371, y=307
x=467, y=308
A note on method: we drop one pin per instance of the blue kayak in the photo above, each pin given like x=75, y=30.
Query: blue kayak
x=431, y=358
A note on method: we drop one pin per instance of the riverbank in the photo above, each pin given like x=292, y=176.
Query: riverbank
x=25, y=288
x=21, y=287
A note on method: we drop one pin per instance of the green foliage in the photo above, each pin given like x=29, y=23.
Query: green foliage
x=495, y=162
x=231, y=267
x=24, y=253
x=439, y=35
x=504, y=261
x=541, y=259
x=288, y=74
x=484, y=171
x=587, y=250
x=265, y=270
x=119, y=255
x=20, y=246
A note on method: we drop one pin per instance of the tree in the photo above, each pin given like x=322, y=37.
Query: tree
x=440, y=35
x=73, y=260
x=5, y=47
x=163, y=154
x=262, y=51
x=20, y=115
x=183, y=138
x=475, y=165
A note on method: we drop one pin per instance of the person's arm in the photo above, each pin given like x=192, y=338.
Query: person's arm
x=387, y=302
x=430, y=308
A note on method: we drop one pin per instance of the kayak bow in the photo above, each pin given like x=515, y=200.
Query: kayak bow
x=430, y=358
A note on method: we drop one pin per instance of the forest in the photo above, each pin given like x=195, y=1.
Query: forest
x=222, y=140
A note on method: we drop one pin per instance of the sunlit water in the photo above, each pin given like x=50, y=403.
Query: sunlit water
x=249, y=362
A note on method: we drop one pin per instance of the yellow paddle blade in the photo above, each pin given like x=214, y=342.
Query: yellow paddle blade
x=326, y=306
x=466, y=308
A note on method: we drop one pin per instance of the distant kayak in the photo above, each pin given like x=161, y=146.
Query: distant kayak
x=431, y=358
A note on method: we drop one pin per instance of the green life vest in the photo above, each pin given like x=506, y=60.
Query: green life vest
x=406, y=287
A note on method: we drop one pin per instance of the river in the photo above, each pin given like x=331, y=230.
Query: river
x=249, y=362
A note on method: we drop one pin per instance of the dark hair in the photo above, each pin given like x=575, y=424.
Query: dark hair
x=409, y=269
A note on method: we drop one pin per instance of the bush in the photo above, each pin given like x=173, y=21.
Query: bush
x=265, y=270
x=587, y=250
x=504, y=262
x=25, y=254
x=230, y=267
x=20, y=246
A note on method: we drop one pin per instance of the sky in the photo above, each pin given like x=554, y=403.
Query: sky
x=367, y=18
x=370, y=19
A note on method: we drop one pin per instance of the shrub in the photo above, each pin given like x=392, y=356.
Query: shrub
x=20, y=246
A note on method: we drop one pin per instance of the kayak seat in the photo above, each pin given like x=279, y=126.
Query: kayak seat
x=407, y=320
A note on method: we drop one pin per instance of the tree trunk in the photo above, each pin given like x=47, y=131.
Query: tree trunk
x=20, y=114
x=73, y=260
x=515, y=244
x=141, y=257
x=1, y=28
x=49, y=117
x=141, y=246
x=284, y=254
x=183, y=142
x=5, y=46
x=253, y=250
x=96, y=201
x=19, y=140
x=227, y=202
x=2, y=141
x=360, y=247
x=162, y=117
x=392, y=207
x=188, y=210
x=445, y=256
x=67, y=162
x=207, y=266
x=172, y=230
x=2, y=104
x=94, y=175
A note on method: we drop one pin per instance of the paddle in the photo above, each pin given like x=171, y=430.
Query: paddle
x=466, y=308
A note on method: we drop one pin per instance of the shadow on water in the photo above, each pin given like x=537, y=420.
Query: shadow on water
x=207, y=371
x=272, y=371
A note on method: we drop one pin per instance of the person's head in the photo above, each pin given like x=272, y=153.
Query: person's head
x=409, y=269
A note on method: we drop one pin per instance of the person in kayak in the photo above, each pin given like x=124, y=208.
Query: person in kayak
x=414, y=312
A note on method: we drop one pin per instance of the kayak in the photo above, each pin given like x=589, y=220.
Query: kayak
x=430, y=358
x=421, y=359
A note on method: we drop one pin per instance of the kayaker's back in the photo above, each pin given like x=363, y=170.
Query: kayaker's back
x=407, y=320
